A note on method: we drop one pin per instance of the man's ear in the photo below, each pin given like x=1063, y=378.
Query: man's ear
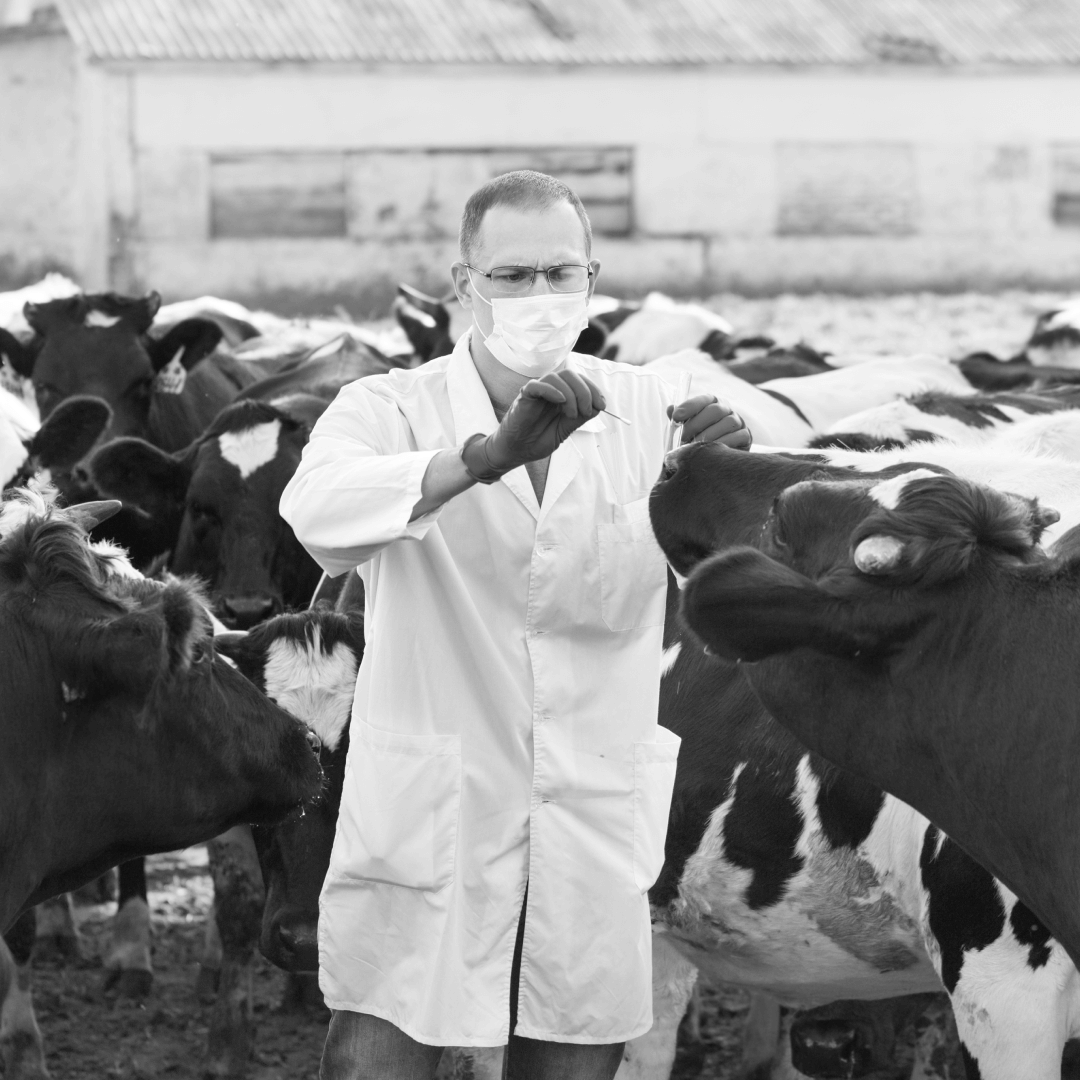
x=746, y=606
x=594, y=265
x=462, y=285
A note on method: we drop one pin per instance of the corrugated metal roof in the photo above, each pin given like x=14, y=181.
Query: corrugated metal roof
x=581, y=32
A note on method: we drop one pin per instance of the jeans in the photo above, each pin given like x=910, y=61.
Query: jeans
x=363, y=1047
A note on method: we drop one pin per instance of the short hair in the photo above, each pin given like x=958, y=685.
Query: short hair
x=522, y=190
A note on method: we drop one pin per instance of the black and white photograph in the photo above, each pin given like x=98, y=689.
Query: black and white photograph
x=540, y=539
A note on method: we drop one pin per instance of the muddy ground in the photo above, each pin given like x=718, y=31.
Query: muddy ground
x=91, y=1035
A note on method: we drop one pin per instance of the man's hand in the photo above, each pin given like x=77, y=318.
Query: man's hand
x=705, y=419
x=543, y=414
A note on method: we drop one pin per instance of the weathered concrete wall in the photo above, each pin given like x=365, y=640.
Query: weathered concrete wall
x=38, y=155
x=762, y=180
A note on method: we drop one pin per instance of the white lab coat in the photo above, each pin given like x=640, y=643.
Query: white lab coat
x=504, y=726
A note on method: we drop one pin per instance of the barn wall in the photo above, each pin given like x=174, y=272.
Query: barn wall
x=38, y=155
x=758, y=181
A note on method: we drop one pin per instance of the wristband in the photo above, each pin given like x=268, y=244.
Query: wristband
x=474, y=457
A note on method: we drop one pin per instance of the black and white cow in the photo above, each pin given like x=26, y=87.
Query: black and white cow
x=119, y=663
x=219, y=498
x=936, y=415
x=849, y=879
x=263, y=877
x=164, y=389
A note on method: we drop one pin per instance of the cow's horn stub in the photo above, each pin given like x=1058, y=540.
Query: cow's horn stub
x=91, y=514
x=878, y=554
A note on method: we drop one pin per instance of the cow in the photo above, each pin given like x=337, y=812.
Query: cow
x=1055, y=338
x=1050, y=357
x=218, y=498
x=937, y=415
x=307, y=663
x=164, y=389
x=660, y=326
x=848, y=604
x=830, y=396
x=164, y=743
x=322, y=371
x=772, y=361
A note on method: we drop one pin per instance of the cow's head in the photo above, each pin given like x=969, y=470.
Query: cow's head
x=219, y=498
x=128, y=728
x=99, y=345
x=307, y=663
x=841, y=566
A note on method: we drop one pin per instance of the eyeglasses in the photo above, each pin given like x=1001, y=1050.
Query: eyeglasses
x=518, y=280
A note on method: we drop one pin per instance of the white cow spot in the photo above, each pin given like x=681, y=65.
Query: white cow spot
x=251, y=448
x=100, y=319
x=669, y=657
x=889, y=492
x=316, y=687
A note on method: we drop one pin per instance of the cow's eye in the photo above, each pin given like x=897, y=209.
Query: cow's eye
x=47, y=390
x=774, y=530
x=203, y=520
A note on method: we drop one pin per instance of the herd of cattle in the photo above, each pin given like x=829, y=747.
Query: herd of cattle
x=873, y=803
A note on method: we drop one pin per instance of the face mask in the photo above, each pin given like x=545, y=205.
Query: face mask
x=533, y=335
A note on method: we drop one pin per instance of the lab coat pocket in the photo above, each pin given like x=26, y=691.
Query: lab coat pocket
x=654, y=782
x=633, y=571
x=407, y=794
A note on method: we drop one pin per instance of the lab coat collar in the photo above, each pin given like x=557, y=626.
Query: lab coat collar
x=473, y=412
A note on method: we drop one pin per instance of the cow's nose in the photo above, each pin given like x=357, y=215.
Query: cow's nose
x=245, y=611
x=297, y=946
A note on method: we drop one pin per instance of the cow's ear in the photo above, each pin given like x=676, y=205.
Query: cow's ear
x=19, y=356
x=69, y=432
x=191, y=340
x=141, y=475
x=146, y=309
x=746, y=606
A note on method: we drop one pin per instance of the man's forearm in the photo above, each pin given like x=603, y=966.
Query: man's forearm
x=444, y=478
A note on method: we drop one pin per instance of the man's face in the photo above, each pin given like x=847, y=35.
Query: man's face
x=512, y=237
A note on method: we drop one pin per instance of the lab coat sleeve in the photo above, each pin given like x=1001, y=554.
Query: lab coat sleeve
x=357, y=483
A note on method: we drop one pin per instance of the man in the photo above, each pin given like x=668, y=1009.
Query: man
x=507, y=787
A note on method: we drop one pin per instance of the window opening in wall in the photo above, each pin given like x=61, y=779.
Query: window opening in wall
x=419, y=194
x=399, y=194
x=277, y=195
x=1065, y=174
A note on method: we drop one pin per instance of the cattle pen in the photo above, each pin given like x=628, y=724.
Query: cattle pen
x=91, y=1032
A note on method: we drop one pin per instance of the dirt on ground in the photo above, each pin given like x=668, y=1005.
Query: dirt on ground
x=91, y=1034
